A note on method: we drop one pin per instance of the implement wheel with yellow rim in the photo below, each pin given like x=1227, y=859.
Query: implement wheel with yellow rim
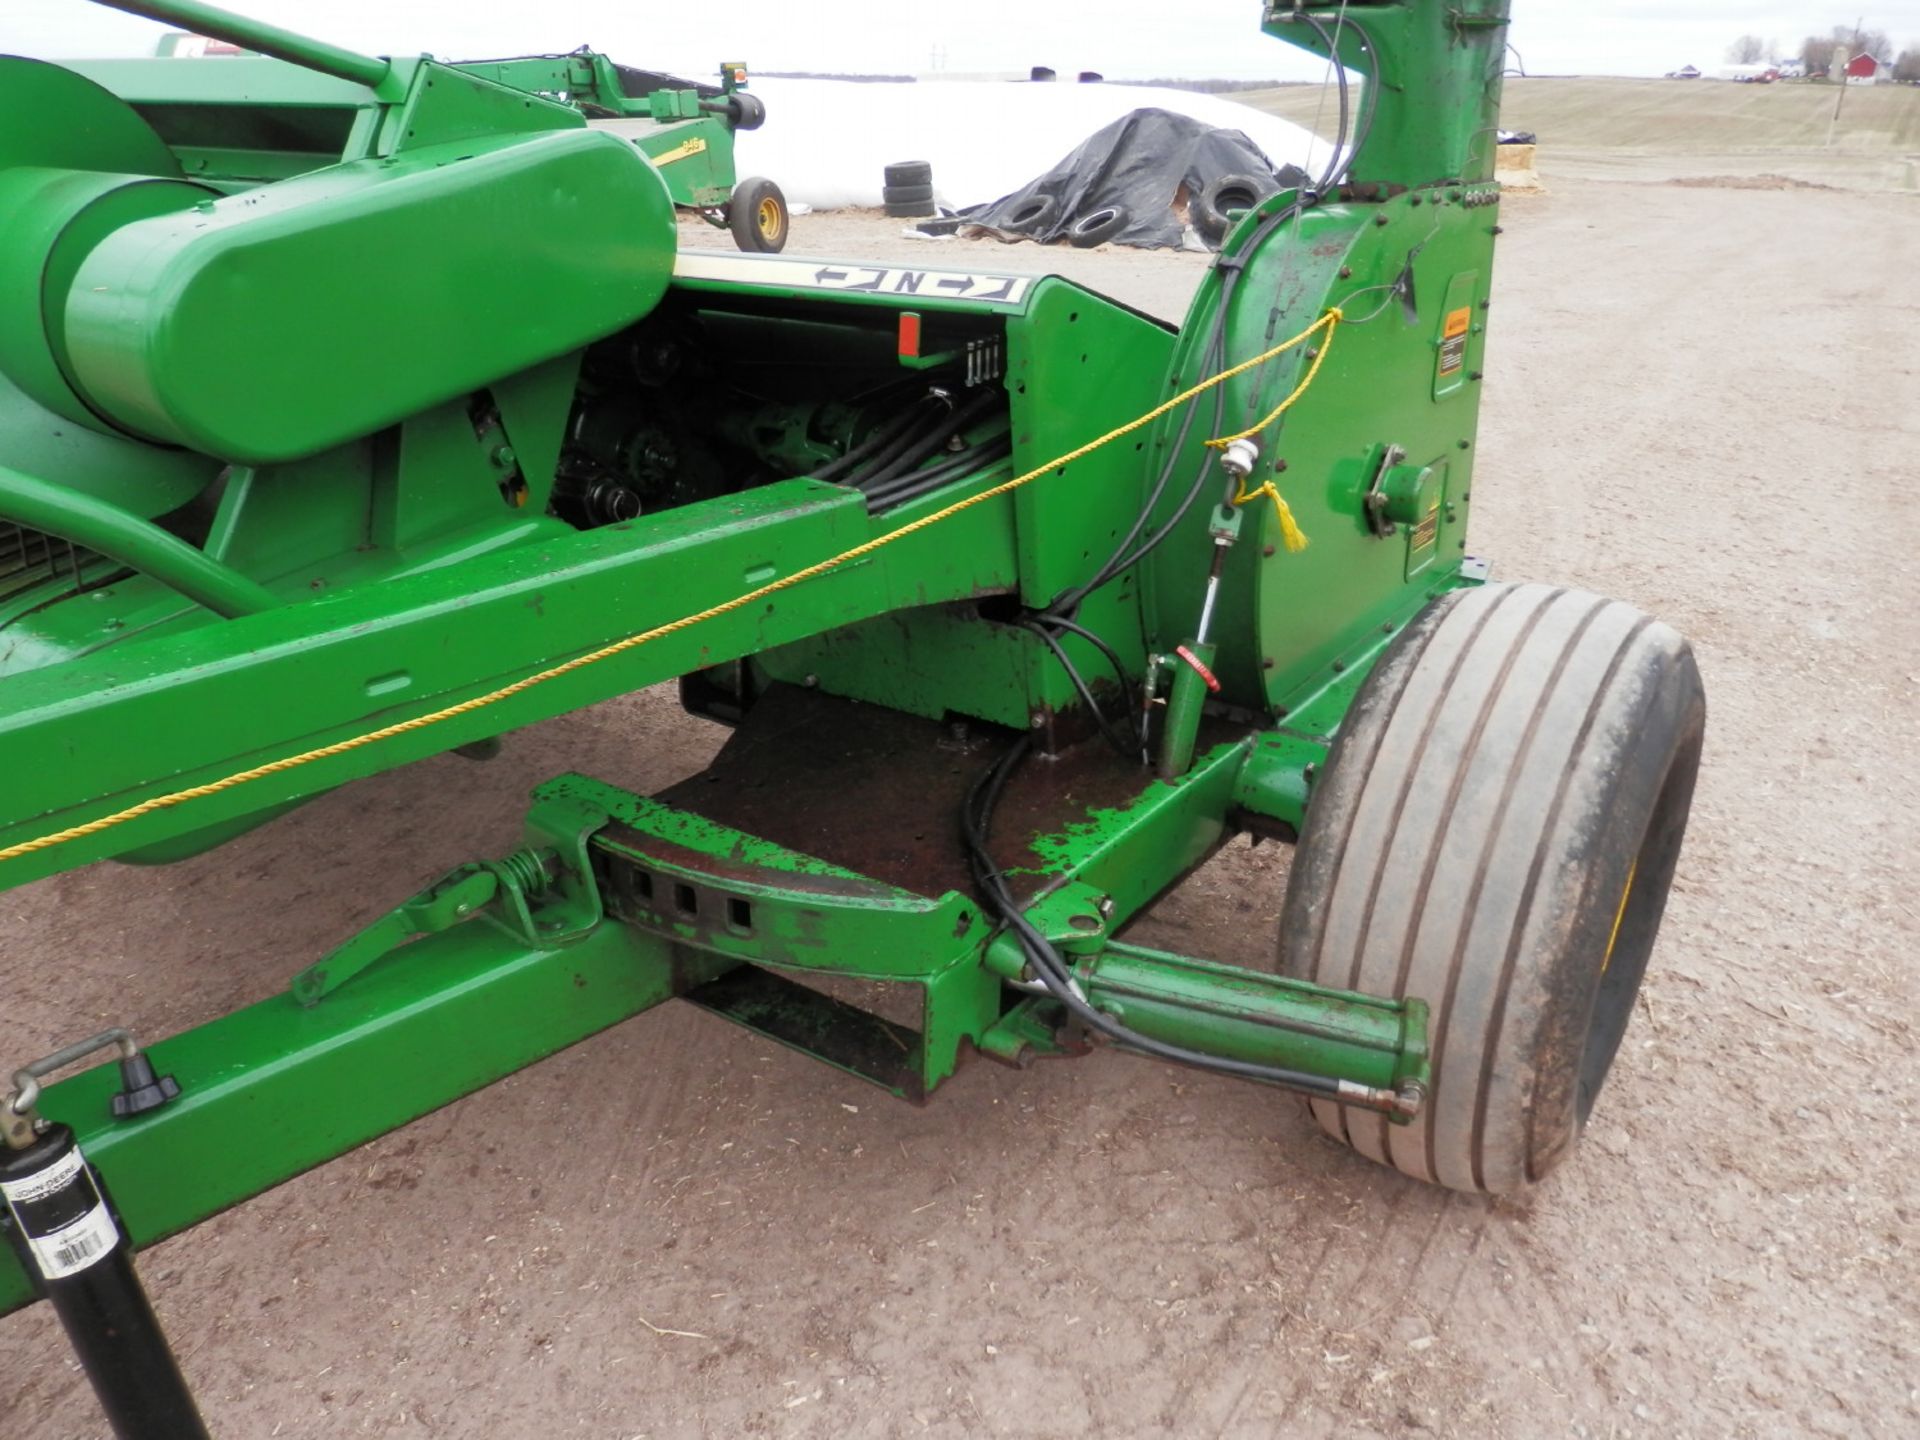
x=1496, y=834
x=757, y=215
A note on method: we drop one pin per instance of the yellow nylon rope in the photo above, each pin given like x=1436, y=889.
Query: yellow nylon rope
x=1291, y=535
x=634, y=642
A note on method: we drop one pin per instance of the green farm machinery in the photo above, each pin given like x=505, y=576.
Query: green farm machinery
x=365, y=412
x=685, y=128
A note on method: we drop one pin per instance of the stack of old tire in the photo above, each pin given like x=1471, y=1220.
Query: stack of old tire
x=908, y=191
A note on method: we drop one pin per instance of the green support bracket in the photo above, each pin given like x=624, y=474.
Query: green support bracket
x=551, y=872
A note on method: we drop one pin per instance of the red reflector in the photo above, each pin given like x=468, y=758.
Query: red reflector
x=909, y=335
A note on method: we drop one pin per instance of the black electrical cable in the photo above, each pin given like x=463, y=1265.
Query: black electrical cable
x=1044, y=960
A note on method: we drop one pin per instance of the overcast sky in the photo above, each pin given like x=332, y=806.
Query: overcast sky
x=1121, y=38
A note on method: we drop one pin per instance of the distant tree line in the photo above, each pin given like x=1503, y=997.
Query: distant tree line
x=1816, y=51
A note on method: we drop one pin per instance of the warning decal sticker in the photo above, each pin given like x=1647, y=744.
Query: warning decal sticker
x=1453, y=339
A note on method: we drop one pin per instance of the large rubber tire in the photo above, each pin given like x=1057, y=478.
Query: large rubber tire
x=908, y=172
x=1496, y=834
x=1098, y=226
x=757, y=216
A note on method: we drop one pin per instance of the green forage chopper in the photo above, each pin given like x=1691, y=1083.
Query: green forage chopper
x=355, y=410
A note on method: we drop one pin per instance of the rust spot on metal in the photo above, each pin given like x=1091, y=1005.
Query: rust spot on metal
x=879, y=792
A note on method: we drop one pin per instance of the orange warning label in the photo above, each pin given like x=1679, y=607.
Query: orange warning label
x=1453, y=340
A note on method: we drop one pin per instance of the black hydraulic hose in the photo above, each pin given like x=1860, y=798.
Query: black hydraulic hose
x=1373, y=101
x=1069, y=602
x=1060, y=622
x=935, y=423
x=1000, y=439
x=1059, y=615
x=1051, y=971
x=1216, y=359
x=884, y=434
x=920, y=482
x=919, y=449
x=1336, y=163
x=1126, y=748
x=1213, y=358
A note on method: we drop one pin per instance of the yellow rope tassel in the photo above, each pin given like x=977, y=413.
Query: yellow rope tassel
x=1291, y=535
x=1289, y=530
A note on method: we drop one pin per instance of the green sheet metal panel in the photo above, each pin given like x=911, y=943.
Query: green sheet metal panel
x=266, y=326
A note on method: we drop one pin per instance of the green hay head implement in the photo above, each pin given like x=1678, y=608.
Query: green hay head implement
x=1020, y=604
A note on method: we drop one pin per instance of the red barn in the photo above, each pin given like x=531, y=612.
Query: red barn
x=1864, y=70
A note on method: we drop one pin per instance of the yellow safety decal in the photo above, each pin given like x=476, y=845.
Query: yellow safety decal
x=680, y=151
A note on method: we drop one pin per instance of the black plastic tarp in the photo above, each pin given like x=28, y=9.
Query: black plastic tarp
x=1154, y=165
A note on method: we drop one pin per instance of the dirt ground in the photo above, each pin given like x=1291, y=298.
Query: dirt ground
x=1702, y=399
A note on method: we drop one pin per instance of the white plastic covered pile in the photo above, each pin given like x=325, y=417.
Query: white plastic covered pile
x=826, y=142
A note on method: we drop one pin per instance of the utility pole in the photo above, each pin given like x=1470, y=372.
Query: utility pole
x=1840, y=61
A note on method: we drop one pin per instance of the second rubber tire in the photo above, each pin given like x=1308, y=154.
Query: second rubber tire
x=757, y=216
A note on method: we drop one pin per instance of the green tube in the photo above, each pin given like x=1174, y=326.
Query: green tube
x=111, y=531
x=218, y=24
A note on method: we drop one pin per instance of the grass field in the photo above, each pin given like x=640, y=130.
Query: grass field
x=1593, y=124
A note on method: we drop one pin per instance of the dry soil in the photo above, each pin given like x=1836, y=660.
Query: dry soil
x=1701, y=399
